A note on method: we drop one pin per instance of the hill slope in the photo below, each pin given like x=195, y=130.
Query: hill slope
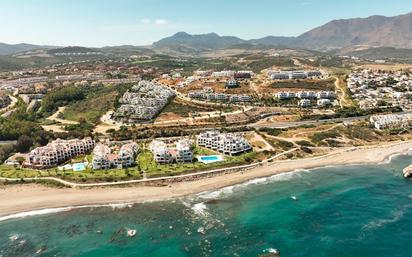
x=6, y=49
x=375, y=31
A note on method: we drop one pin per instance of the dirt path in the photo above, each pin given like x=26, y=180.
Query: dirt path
x=55, y=117
x=10, y=108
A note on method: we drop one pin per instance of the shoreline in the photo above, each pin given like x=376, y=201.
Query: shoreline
x=23, y=198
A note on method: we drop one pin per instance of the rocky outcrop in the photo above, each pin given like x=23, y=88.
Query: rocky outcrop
x=407, y=172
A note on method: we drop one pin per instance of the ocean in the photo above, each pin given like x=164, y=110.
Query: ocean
x=361, y=210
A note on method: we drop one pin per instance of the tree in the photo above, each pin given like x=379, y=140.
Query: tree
x=23, y=144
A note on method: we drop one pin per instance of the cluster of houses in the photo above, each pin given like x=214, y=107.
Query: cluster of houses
x=391, y=121
x=210, y=96
x=180, y=152
x=58, y=152
x=373, y=88
x=324, y=98
x=287, y=75
x=143, y=102
x=113, y=155
x=229, y=144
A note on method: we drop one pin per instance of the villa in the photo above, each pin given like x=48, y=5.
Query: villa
x=57, y=152
x=225, y=143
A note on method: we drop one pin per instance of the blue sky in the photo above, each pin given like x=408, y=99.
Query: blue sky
x=140, y=22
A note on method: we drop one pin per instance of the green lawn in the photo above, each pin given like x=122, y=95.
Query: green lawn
x=88, y=175
x=147, y=163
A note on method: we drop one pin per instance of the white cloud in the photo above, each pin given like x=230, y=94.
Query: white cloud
x=160, y=22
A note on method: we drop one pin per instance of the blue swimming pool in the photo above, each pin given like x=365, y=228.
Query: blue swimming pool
x=210, y=158
x=79, y=166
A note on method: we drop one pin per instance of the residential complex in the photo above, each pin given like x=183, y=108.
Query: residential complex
x=391, y=121
x=57, y=152
x=107, y=157
x=210, y=96
x=324, y=97
x=143, y=102
x=229, y=144
x=377, y=88
x=284, y=75
x=181, y=152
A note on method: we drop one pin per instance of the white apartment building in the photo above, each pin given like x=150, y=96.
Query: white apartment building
x=391, y=121
x=326, y=95
x=304, y=103
x=225, y=143
x=306, y=95
x=223, y=74
x=323, y=102
x=57, y=152
x=105, y=158
x=285, y=95
x=180, y=153
x=143, y=102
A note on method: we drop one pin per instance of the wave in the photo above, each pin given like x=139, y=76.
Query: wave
x=63, y=209
x=374, y=224
x=227, y=191
x=391, y=157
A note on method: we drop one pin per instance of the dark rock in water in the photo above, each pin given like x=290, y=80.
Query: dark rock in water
x=212, y=201
x=407, y=172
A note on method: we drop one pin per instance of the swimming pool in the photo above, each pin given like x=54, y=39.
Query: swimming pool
x=210, y=158
x=79, y=166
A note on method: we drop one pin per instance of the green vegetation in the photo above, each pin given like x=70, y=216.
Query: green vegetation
x=271, y=131
x=183, y=109
x=97, y=101
x=328, y=84
x=267, y=62
x=60, y=97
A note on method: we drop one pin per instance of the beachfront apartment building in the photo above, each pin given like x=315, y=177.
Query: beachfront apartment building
x=391, y=121
x=106, y=157
x=181, y=152
x=57, y=152
x=226, y=143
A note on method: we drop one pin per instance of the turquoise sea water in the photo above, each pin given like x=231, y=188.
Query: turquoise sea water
x=340, y=211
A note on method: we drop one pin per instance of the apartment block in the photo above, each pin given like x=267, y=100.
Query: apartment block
x=58, y=152
x=181, y=152
x=106, y=157
x=225, y=143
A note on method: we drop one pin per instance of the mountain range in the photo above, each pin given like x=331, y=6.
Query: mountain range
x=373, y=31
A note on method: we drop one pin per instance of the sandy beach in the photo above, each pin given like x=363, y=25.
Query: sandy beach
x=28, y=197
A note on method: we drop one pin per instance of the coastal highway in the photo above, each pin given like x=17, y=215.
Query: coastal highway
x=291, y=124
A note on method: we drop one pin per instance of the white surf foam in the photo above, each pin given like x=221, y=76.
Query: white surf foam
x=226, y=191
x=63, y=209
